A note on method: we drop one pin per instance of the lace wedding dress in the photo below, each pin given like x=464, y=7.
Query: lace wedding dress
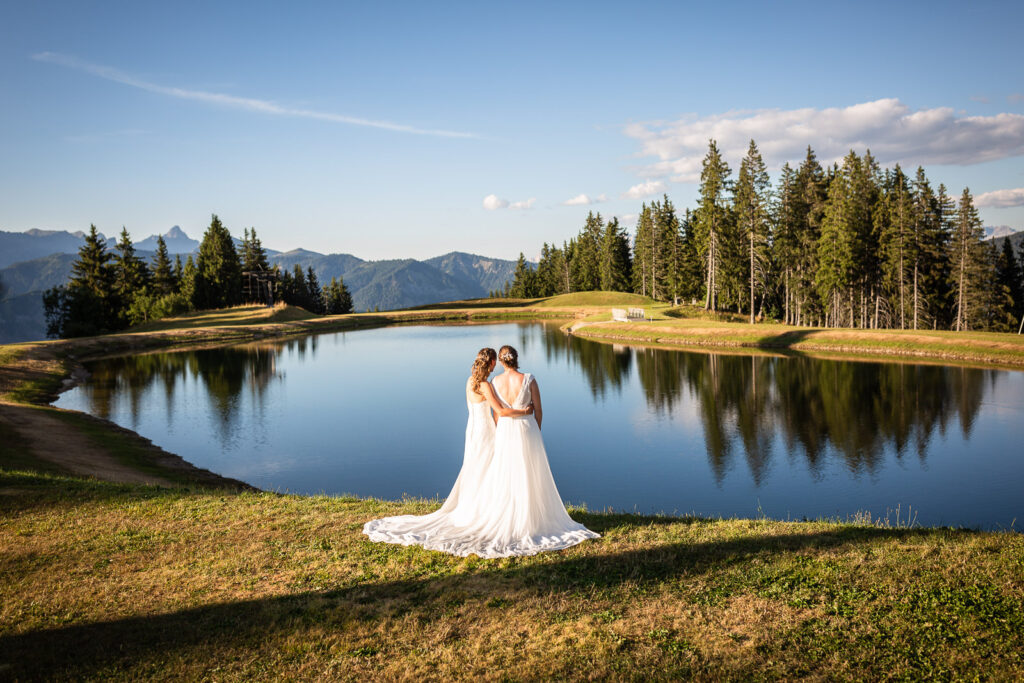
x=515, y=508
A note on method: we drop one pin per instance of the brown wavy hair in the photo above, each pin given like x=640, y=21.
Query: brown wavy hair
x=509, y=357
x=482, y=367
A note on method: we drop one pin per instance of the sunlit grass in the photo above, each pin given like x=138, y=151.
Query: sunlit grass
x=105, y=580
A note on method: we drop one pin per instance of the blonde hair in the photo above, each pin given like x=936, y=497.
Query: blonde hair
x=481, y=368
x=509, y=357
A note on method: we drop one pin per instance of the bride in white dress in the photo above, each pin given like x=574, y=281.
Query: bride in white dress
x=434, y=531
x=513, y=508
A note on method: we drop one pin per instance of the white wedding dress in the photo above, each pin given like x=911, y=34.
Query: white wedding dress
x=511, y=508
x=459, y=506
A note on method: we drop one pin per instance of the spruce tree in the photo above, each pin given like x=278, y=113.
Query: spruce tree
x=752, y=207
x=316, y=295
x=586, y=263
x=86, y=305
x=1010, y=284
x=163, y=271
x=523, y=283
x=191, y=283
x=643, y=247
x=967, y=263
x=218, y=264
x=300, y=290
x=712, y=218
x=812, y=185
x=615, y=275
x=894, y=222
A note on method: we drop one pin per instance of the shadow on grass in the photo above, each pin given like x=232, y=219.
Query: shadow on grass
x=201, y=636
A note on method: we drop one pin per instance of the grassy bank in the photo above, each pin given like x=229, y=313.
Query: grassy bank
x=107, y=580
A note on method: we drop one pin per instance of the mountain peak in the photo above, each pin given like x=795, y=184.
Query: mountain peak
x=176, y=233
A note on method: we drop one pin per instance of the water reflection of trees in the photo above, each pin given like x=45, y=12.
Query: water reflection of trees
x=605, y=366
x=860, y=410
x=224, y=372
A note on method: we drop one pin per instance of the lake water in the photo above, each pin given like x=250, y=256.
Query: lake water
x=382, y=413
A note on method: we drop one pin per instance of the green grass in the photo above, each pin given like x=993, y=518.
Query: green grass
x=592, y=299
x=127, y=582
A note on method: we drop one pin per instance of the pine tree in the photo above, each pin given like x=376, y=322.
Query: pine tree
x=1010, y=285
x=316, y=295
x=337, y=299
x=179, y=271
x=86, y=305
x=615, y=266
x=191, y=282
x=930, y=276
x=967, y=260
x=163, y=273
x=894, y=222
x=586, y=262
x=300, y=290
x=812, y=185
x=752, y=207
x=643, y=247
x=524, y=280
x=712, y=218
x=666, y=251
x=218, y=264
x=254, y=256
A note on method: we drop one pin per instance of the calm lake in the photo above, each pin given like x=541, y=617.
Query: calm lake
x=382, y=413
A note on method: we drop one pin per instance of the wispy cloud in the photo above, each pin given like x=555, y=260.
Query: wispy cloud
x=222, y=99
x=1001, y=199
x=1015, y=97
x=979, y=98
x=645, y=189
x=524, y=204
x=892, y=131
x=585, y=199
x=493, y=202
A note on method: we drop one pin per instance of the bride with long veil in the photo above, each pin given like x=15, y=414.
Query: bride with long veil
x=508, y=507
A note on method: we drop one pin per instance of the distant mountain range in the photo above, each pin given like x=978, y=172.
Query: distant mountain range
x=33, y=261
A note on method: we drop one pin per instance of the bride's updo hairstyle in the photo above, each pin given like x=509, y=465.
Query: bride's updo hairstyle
x=482, y=367
x=509, y=357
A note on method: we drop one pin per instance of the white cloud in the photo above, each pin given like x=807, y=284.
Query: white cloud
x=585, y=199
x=628, y=219
x=887, y=127
x=492, y=202
x=247, y=103
x=1001, y=199
x=524, y=204
x=645, y=189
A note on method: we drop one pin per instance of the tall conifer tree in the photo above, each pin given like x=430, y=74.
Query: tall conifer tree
x=712, y=219
x=752, y=207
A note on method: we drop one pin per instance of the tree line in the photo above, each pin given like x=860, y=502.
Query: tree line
x=849, y=245
x=110, y=291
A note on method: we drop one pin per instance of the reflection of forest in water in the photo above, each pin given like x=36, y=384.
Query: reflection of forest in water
x=859, y=409
x=747, y=405
x=225, y=373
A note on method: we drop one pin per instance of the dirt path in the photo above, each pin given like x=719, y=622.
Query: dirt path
x=54, y=441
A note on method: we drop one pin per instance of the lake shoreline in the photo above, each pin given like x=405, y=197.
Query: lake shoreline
x=33, y=374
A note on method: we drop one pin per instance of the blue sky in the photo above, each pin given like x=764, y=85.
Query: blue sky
x=392, y=130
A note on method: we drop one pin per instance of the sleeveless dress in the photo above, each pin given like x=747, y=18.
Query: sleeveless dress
x=519, y=510
x=459, y=506
x=513, y=508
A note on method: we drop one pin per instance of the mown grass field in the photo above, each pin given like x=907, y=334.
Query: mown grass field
x=103, y=580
